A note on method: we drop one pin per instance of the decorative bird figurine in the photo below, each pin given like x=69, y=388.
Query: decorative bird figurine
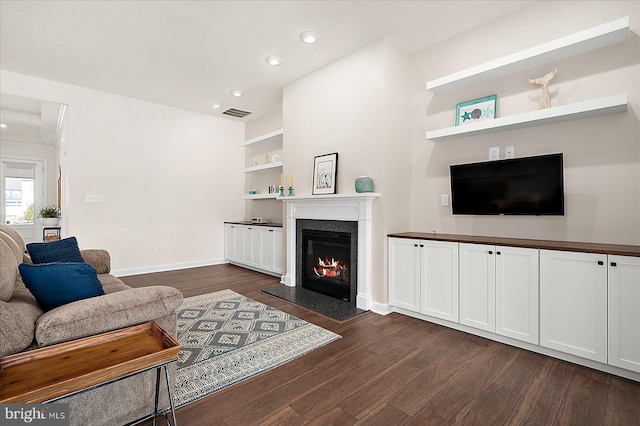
x=545, y=102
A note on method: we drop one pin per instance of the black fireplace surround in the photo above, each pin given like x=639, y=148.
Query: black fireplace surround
x=327, y=257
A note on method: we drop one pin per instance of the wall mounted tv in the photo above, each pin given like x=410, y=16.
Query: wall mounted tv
x=517, y=186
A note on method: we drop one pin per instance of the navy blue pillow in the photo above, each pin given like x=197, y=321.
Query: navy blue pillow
x=65, y=250
x=56, y=284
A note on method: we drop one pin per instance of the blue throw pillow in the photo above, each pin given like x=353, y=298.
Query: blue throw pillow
x=56, y=284
x=65, y=250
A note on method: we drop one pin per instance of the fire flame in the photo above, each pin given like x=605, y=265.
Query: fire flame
x=330, y=268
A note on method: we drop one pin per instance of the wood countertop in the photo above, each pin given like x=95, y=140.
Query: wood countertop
x=245, y=222
x=615, y=249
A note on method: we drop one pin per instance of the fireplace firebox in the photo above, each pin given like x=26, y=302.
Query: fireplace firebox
x=326, y=262
x=327, y=258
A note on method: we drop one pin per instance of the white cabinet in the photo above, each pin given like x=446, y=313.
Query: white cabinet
x=499, y=290
x=477, y=286
x=257, y=247
x=517, y=293
x=270, y=248
x=404, y=273
x=439, y=261
x=573, y=303
x=624, y=312
x=423, y=277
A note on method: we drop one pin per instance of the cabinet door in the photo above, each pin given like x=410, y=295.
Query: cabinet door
x=624, y=312
x=573, y=303
x=439, y=287
x=247, y=257
x=404, y=273
x=277, y=250
x=229, y=241
x=266, y=249
x=238, y=246
x=478, y=286
x=517, y=293
x=256, y=246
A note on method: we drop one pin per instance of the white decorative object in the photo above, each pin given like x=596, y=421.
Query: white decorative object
x=543, y=81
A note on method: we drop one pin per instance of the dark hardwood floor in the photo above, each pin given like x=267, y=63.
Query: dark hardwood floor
x=397, y=370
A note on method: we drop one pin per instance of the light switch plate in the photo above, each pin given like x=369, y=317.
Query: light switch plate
x=94, y=198
x=444, y=200
x=494, y=153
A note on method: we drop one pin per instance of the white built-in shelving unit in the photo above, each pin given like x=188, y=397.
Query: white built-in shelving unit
x=581, y=42
x=274, y=137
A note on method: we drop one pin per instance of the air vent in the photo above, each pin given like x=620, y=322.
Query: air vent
x=236, y=112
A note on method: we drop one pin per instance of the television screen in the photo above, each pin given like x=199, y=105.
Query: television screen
x=517, y=186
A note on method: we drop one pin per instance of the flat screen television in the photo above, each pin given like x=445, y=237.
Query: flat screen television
x=517, y=186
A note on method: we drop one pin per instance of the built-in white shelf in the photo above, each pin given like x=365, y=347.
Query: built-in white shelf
x=267, y=137
x=262, y=167
x=260, y=196
x=581, y=42
x=601, y=106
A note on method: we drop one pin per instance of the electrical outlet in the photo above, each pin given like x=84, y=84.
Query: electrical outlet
x=510, y=152
x=444, y=200
x=494, y=153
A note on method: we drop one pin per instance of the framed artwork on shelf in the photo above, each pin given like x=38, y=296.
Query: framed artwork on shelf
x=325, y=171
x=476, y=110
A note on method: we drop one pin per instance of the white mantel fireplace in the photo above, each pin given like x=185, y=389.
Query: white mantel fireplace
x=338, y=207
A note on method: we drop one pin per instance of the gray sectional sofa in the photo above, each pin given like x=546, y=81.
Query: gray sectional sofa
x=24, y=326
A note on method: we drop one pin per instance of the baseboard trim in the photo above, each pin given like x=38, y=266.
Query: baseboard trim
x=168, y=267
x=381, y=308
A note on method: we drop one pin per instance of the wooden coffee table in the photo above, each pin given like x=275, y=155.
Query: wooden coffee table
x=54, y=372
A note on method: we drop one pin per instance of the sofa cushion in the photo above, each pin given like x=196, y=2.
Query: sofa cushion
x=56, y=284
x=17, y=320
x=65, y=250
x=8, y=271
x=105, y=313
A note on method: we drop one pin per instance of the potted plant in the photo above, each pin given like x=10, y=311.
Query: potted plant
x=50, y=215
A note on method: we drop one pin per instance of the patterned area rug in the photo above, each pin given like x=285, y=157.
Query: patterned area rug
x=227, y=337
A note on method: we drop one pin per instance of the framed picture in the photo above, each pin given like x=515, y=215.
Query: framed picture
x=325, y=171
x=476, y=110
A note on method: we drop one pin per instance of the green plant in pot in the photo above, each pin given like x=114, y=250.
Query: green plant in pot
x=50, y=215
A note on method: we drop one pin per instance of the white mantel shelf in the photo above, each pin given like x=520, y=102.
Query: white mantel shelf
x=591, y=108
x=357, y=196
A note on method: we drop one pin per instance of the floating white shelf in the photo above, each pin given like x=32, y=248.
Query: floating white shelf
x=262, y=167
x=581, y=42
x=267, y=137
x=260, y=196
x=601, y=106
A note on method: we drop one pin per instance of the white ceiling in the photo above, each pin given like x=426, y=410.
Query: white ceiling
x=188, y=54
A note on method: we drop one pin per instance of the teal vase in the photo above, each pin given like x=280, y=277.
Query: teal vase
x=364, y=184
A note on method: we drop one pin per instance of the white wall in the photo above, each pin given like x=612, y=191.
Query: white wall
x=601, y=154
x=168, y=177
x=357, y=107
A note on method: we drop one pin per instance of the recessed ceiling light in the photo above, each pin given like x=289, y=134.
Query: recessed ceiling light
x=309, y=37
x=215, y=105
x=3, y=125
x=236, y=93
x=273, y=60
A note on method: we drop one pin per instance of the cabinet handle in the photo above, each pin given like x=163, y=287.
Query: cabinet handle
x=421, y=245
x=249, y=228
x=270, y=230
x=614, y=264
x=600, y=262
x=498, y=253
x=490, y=251
x=415, y=245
